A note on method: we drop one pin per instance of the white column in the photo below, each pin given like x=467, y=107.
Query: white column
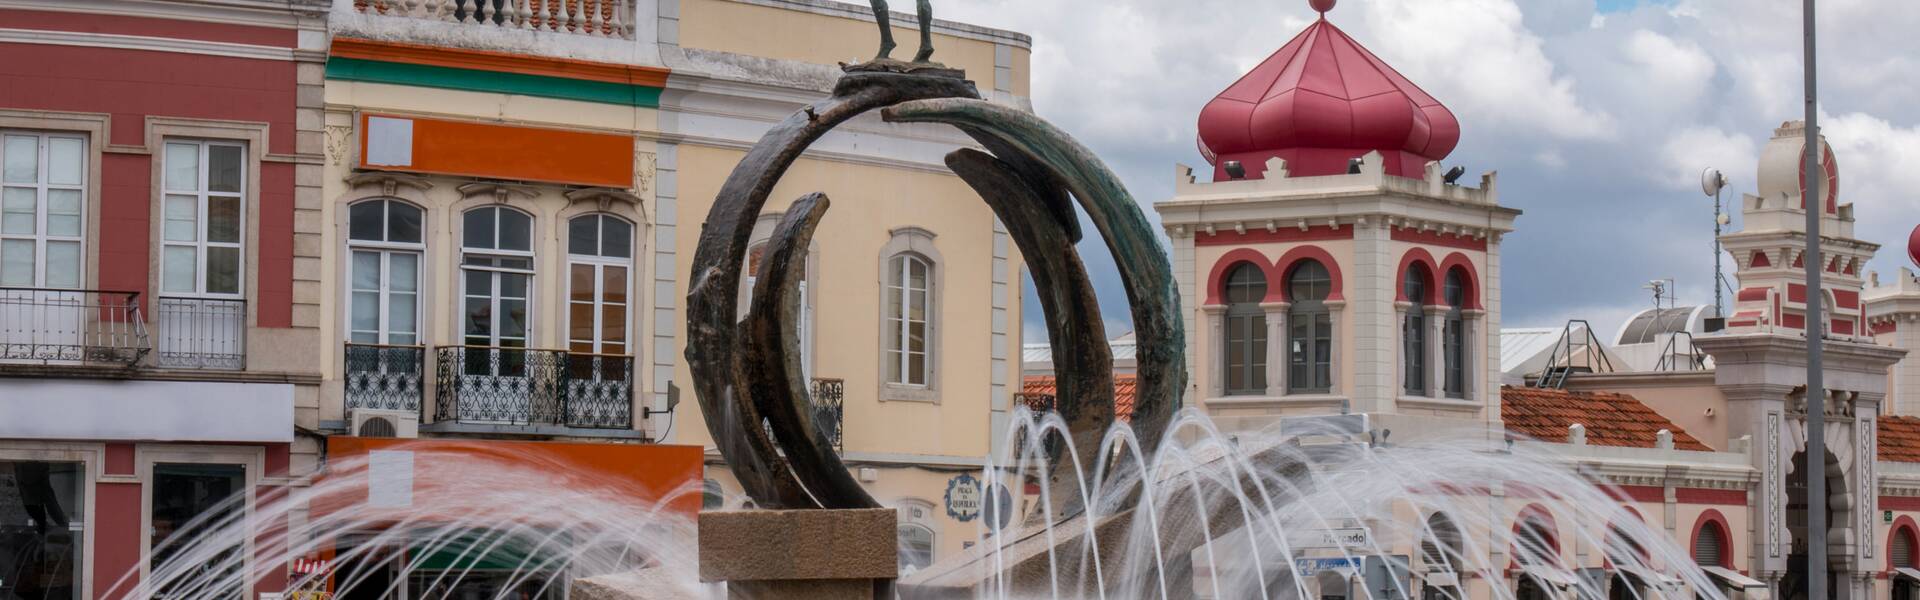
x=1400, y=348
x=1369, y=291
x=1336, y=312
x=1212, y=354
x=1436, y=351
x=1184, y=278
x=1489, y=392
x=1276, y=347
x=1471, y=325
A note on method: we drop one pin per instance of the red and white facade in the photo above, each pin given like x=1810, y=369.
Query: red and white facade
x=159, y=289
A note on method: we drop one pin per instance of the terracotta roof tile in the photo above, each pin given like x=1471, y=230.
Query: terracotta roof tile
x=1899, y=438
x=1611, y=419
x=1124, y=390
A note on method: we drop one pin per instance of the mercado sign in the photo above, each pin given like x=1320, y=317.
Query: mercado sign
x=964, y=497
x=1340, y=537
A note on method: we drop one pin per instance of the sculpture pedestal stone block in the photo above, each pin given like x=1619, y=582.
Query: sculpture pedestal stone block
x=800, y=554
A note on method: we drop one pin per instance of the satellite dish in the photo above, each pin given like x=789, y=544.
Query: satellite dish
x=1711, y=180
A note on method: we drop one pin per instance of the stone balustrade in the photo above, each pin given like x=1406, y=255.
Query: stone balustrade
x=597, y=18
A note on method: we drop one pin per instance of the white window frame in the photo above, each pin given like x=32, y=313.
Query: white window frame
x=251, y=459
x=202, y=223
x=600, y=263
x=903, y=262
x=531, y=298
x=387, y=249
x=40, y=237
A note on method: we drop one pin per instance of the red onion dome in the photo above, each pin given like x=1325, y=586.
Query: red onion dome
x=1319, y=101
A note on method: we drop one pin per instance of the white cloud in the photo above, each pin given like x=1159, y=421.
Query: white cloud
x=1479, y=58
x=1679, y=70
x=1693, y=149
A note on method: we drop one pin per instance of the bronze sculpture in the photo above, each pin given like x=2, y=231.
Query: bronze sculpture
x=885, y=17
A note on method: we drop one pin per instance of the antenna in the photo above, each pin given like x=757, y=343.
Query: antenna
x=1711, y=182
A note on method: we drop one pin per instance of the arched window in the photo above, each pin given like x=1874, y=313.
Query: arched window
x=916, y=535
x=909, y=310
x=42, y=206
x=1413, y=330
x=1309, y=329
x=384, y=239
x=1442, y=547
x=1453, y=334
x=1246, y=331
x=1901, y=552
x=1710, y=545
x=496, y=265
x=1333, y=584
x=599, y=269
x=1533, y=542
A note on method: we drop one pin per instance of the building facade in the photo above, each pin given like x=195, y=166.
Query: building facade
x=158, y=278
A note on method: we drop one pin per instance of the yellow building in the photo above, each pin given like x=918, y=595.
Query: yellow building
x=513, y=199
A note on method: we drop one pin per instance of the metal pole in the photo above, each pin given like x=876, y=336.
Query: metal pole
x=1815, y=204
x=1719, y=303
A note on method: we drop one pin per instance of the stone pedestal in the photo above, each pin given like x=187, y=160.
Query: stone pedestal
x=800, y=554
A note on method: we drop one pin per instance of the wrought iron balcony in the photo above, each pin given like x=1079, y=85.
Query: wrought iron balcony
x=384, y=377
x=597, y=18
x=519, y=386
x=54, y=326
x=829, y=409
x=203, y=333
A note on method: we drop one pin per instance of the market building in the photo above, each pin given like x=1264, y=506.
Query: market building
x=1336, y=264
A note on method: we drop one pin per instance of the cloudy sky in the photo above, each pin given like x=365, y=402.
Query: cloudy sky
x=1598, y=114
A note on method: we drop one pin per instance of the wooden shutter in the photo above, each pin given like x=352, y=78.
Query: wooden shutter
x=1707, y=546
x=1902, y=553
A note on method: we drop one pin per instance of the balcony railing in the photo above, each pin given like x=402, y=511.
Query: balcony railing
x=829, y=409
x=384, y=377
x=517, y=386
x=598, y=18
x=71, y=326
x=203, y=333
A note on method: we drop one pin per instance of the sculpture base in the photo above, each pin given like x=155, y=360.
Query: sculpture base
x=888, y=65
x=800, y=553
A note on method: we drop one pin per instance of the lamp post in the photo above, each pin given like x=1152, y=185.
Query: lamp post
x=1814, y=203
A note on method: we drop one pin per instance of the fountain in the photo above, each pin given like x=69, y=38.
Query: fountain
x=1163, y=505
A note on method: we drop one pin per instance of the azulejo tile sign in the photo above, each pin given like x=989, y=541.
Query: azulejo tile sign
x=964, y=496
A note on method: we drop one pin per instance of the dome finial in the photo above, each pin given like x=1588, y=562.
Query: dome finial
x=1322, y=6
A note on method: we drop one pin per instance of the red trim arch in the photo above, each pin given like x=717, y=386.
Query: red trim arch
x=1713, y=518
x=1419, y=255
x=1460, y=261
x=1901, y=526
x=1529, y=513
x=1606, y=560
x=1300, y=253
x=1217, y=278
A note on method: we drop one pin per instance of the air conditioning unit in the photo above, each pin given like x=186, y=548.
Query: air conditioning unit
x=368, y=422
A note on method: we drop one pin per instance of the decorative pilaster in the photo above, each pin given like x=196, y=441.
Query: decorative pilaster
x=1336, y=314
x=1277, y=355
x=1436, y=351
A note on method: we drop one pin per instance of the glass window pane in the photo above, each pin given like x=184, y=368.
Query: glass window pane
x=403, y=338
x=513, y=285
x=181, y=225
x=43, y=515
x=223, y=270
x=366, y=270
x=363, y=337
x=894, y=337
x=22, y=159
x=16, y=262
x=916, y=336
x=63, y=212
x=479, y=318
x=401, y=314
x=613, y=285
x=178, y=269
x=183, y=167
x=580, y=320
x=893, y=367
x=65, y=158
x=405, y=275
x=583, y=236
x=18, y=208
x=478, y=228
x=613, y=324
x=366, y=311
x=895, y=270
x=188, y=502
x=916, y=368
x=63, y=264
x=616, y=239
x=580, y=284
x=516, y=230
x=513, y=318
x=223, y=220
x=403, y=223
x=479, y=283
x=364, y=221
x=917, y=306
x=917, y=274
x=224, y=168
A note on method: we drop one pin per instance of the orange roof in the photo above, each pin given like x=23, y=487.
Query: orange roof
x=1124, y=388
x=1899, y=438
x=1611, y=419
